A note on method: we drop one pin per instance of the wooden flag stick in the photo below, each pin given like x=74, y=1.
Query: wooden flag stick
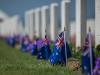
x=65, y=44
x=90, y=47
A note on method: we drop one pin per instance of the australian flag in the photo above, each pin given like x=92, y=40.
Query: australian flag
x=44, y=49
x=25, y=44
x=18, y=39
x=47, y=48
x=97, y=67
x=11, y=41
x=86, y=64
x=41, y=49
x=58, y=54
x=33, y=48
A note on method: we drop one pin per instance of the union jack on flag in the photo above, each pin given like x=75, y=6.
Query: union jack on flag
x=46, y=40
x=60, y=40
x=86, y=44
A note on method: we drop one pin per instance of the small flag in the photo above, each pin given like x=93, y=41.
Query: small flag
x=11, y=41
x=58, y=55
x=86, y=63
x=40, y=43
x=60, y=40
x=25, y=44
x=64, y=53
x=47, y=48
x=96, y=70
x=46, y=40
x=43, y=48
x=34, y=48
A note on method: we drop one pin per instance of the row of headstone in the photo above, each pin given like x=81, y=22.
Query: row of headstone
x=11, y=26
x=39, y=21
x=44, y=20
x=81, y=21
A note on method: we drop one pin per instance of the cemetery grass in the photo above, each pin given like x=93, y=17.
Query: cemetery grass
x=15, y=62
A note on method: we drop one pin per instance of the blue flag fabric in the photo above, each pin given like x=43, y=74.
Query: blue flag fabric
x=18, y=39
x=68, y=53
x=11, y=41
x=58, y=54
x=34, y=49
x=86, y=68
x=47, y=48
x=25, y=44
x=43, y=49
x=55, y=57
x=7, y=40
x=47, y=52
x=41, y=54
x=24, y=47
x=96, y=70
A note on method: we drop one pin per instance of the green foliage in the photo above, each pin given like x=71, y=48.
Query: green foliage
x=51, y=46
x=14, y=62
x=97, y=52
x=98, y=47
x=75, y=54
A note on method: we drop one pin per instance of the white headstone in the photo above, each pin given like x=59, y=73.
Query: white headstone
x=65, y=17
x=30, y=23
x=20, y=28
x=26, y=22
x=97, y=22
x=9, y=26
x=38, y=22
x=81, y=13
x=53, y=21
x=44, y=19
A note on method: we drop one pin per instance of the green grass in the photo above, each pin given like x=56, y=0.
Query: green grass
x=14, y=62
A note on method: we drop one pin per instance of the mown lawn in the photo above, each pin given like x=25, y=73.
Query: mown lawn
x=14, y=62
